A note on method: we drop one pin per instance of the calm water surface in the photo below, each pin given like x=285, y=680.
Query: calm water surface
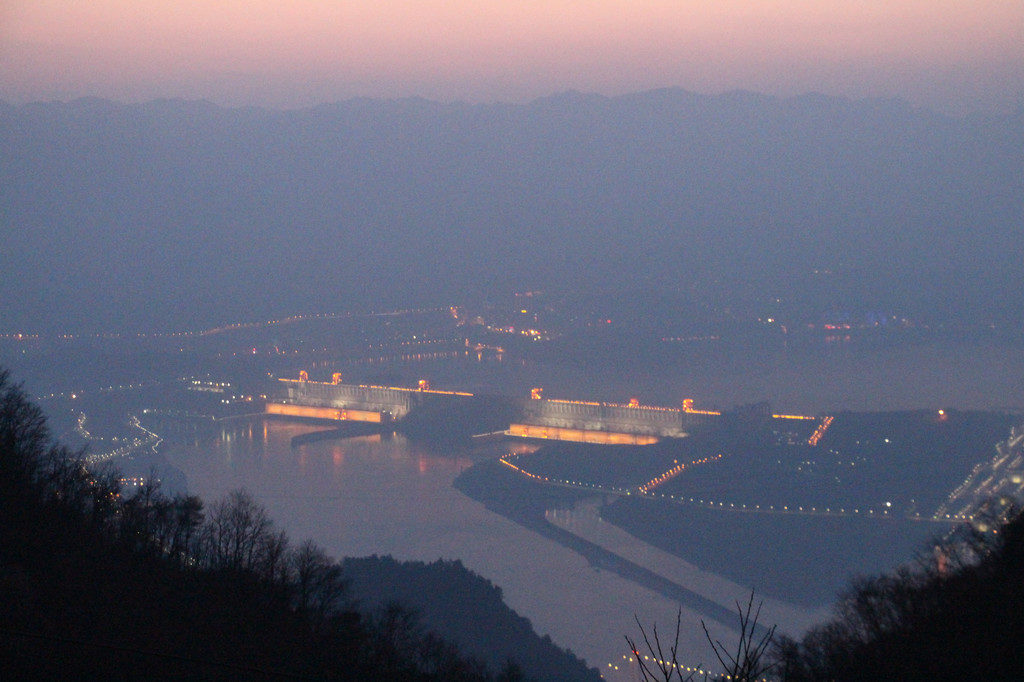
x=385, y=495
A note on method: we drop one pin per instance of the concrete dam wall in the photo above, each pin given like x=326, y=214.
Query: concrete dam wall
x=631, y=419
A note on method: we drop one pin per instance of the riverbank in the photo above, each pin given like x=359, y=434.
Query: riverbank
x=528, y=504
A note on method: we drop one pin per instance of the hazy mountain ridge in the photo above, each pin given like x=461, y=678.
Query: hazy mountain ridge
x=109, y=206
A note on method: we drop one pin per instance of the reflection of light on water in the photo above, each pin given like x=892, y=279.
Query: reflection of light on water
x=384, y=494
x=341, y=447
x=374, y=494
x=372, y=439
x=521, y=448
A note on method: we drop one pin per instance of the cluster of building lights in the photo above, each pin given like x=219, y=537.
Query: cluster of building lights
x=532, y=334
x=207, y=386
x=126, y=447
x=1002, y=470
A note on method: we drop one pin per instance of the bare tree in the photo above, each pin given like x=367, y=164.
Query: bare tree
x=396, y=635
x=746, y=663
x=749, y=662
x=142, y=518
x=319, y=586
x=655, y=665
x=24, y=438
x=236, y=533
x=188, y=519
x=274, y=558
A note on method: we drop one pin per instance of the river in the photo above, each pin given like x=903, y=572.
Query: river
x=385, y=495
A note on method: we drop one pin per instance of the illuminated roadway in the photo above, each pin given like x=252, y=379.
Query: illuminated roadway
x=515, y=462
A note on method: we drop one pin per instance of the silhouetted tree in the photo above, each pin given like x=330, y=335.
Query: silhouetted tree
x=746, y=663
x=961, y=617
x=273, y=566
x=749, y=662
x=24, y=439
x=657, y=663
x=144, y=521
x=318, y=583
x=188, y=519
x=235, y=534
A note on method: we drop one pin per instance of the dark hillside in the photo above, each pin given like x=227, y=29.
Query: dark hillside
x=93, y=584
x=466, y=609
x=959, y=619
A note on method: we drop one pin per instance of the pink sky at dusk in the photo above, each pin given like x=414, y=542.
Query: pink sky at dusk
x=953, y=55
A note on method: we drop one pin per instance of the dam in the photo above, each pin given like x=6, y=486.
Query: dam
x=606, y=423
x=338, y=401
x=536, y=417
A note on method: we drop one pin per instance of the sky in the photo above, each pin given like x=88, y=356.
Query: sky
x=951, y=55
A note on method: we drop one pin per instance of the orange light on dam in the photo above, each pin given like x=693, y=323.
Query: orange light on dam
x=689, y=409
x=423, y=386
x=332, y=413
x=579, y=435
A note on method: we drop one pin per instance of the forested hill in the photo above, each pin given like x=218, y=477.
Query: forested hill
x=93, y=584
x=464, y=608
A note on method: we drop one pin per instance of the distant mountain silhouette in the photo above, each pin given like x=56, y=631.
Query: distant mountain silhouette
x=175, y=213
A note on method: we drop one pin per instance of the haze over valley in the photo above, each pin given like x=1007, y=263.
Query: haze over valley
x=473, y=341
x=119, y=212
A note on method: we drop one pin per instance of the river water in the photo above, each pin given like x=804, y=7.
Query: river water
x=385, y=495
